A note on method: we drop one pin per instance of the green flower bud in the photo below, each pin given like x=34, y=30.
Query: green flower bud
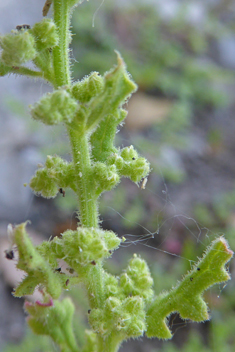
x=129, y=153
x=117, y=160
x=44, y=249
x=88, y=88
x=18, y=48
x=137, y=279
x=43, y=184
x=140, y=168
x=111, y=240
x=60, y=171
x=55, y=107
x=112, y=303
x=111, y=286
x=126, y=316
x=105, y=176
x=133, y=308
x=56, y=174
x=45, y=34
x=134, y=167
x=96, y=320
x=87, y=245
x=126, y=284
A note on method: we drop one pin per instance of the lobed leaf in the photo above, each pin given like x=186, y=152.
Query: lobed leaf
x=186, y=297
x=37, y=268
x=117, y=88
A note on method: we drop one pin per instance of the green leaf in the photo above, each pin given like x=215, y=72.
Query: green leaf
x=4, y=70
x=37, y=268
x=55, y=320
x=186, y=297
x=102, y=139
x=118, y=87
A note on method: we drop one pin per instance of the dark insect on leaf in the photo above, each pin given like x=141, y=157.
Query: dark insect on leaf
x=62, y=191
x=9, y=254
x=23, y=26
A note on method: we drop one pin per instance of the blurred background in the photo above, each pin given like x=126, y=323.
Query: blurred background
x=182, y=56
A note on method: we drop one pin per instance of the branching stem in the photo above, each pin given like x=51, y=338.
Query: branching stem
x=85, y=189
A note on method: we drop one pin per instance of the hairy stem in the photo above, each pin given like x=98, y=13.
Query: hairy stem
x=110, y=344
x=43, y=62
x=85, y=189
x=95, y=286
x=61, y=51
x=70, y=341
x=21, y=70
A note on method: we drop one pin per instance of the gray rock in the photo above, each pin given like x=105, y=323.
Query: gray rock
x=226, y=49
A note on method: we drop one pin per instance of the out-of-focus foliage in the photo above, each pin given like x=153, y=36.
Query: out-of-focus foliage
x=167, y=56
x=32, y=343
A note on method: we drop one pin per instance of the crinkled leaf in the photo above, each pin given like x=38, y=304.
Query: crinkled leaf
x=117, y=88
x=37, y=268
x=186, y=297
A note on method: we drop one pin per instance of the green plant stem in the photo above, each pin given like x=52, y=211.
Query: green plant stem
x=95, y=286
x=43, y=62
x=70, y=342
x=61, y=52
x=79, y=143
x=85, y=188
x=24, y=71
x=110, y=344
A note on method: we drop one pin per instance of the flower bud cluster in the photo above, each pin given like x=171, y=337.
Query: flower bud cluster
x=121, y=163
x=112, y=288
x=82, y=247
x=56, y=174
x=89, y=87
x=45, y=34
x=129, y=164
x=18, y=47
x=125, y=301
x=55, y=107
x=87, y=245
x=137, y=280
x=25, y=44
x=106, y=177
x=124, y=316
